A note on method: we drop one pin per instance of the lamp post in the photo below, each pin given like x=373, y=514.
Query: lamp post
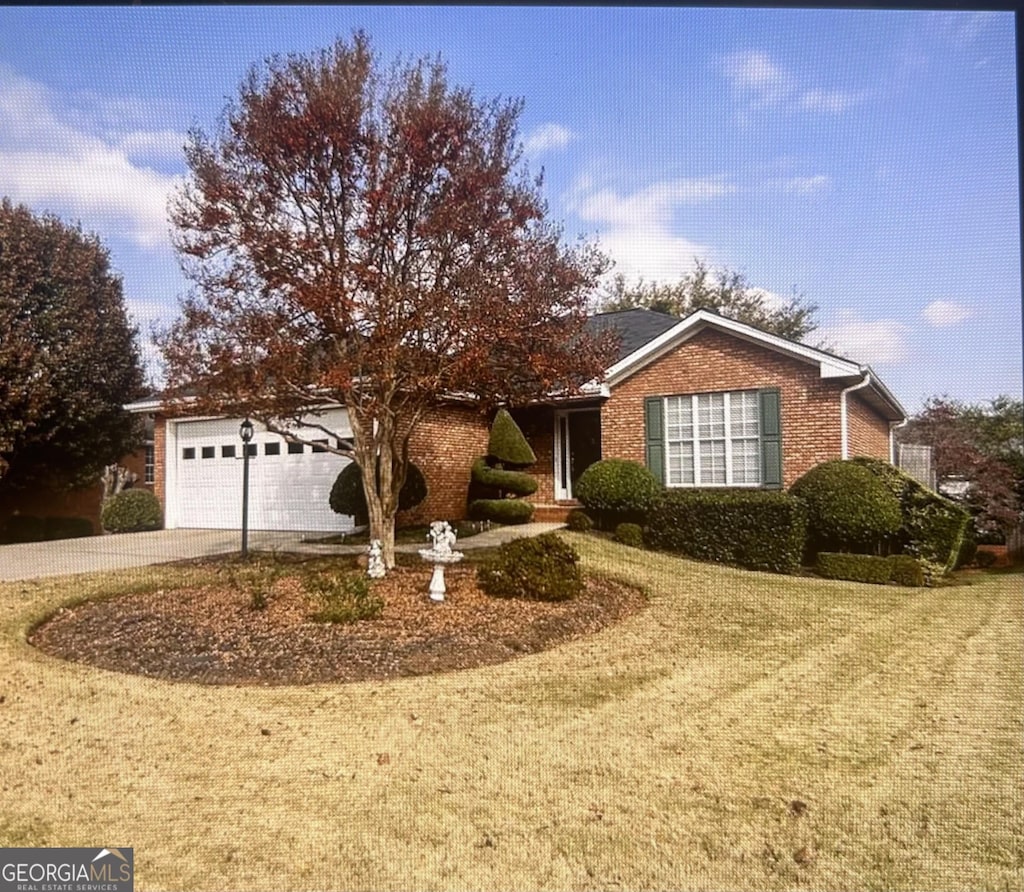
x=245, y=431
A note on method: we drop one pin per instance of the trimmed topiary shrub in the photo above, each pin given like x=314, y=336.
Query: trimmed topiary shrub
x=907, y=570
x=848, y=508
x=496, y=477
x=615, y=490
x=506, y=444
x=630, y=534
x=855, y=567
x=932, y=528
x=755, y=529
x=348, y=496
x=504, y=511
x=132, y=511
x=968, y=549
x=541, y=567
x=579, y=521
x=514, y=482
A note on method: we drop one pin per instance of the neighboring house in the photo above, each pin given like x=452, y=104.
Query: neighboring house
x=702, y=401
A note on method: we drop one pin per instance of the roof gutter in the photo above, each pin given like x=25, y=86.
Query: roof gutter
x=844, y=415
x=893, y=427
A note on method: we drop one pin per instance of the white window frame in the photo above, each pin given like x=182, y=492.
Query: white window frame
x=695, y=441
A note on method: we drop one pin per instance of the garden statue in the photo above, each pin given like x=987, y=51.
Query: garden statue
x=439, y=554
x=375, y=562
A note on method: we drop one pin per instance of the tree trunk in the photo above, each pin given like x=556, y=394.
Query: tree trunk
x=374, y=449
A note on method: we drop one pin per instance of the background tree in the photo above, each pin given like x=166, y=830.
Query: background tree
x=68, y=355
x=979, y=449
x=725, y=291
x=368, y=236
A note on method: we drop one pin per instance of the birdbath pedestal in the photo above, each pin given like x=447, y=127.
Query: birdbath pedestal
x=440, y=554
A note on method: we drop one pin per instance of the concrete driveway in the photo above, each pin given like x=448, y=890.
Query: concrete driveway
x=88, y=555
x=36, y=559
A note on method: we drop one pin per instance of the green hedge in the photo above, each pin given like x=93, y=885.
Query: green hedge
x=855, y=567
x=630, y=534
x=848, y=508
x=615, y=490
x=907, y=570
x=132, y=511
x=932, y=527
x=756, y=529
x=579, y=521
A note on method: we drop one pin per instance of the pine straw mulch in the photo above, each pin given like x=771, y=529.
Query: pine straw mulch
x=212, y=634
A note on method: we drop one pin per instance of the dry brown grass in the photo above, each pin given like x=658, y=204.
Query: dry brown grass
x=746, y=731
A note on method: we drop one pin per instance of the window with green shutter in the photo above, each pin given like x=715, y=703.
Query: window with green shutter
x=731, y=438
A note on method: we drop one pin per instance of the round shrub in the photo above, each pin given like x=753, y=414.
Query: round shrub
x=541, y=567
x=848, y=507
x=630, y=534
x=579, y=521
x=615, y=489
x=132, y=511
x=348, y=497
x=507, y=511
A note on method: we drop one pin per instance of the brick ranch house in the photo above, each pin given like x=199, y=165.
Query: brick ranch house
x=702, y=401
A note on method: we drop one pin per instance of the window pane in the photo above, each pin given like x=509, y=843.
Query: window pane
x=744, y=413
x=678, y=418
x=209, y=452
x=746, y=461
x=711, y=415
x=189, y=452
x=227, y=451
x=295, y=448
x=712, y=461
x=271, y=448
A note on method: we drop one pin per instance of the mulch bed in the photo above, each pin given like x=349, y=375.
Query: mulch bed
x=213, y=635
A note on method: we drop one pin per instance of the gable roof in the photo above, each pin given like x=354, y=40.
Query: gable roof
x=650, y=338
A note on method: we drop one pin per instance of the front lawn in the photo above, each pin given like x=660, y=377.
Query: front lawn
x=746, y=730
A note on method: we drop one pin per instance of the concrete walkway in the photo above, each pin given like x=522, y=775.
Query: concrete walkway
x=96, y=553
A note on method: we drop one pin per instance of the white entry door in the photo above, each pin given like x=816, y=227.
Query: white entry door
x=289, y=484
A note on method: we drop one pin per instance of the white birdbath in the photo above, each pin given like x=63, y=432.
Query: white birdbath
x=440, y=554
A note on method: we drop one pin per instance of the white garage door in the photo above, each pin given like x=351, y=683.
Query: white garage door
x=289, y=483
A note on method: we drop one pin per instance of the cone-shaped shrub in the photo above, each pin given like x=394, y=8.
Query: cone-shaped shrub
x=507, y=445
x=492, y=481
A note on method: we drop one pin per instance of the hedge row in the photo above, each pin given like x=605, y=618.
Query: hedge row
x=903, y=569
x=27, y=528
x=756, y=529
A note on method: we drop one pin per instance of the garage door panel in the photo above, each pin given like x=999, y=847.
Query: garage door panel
x=288, y=490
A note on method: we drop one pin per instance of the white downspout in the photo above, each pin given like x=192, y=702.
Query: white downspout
x=844, y=417
x=893, y=427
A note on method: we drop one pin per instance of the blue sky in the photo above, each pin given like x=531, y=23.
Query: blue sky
x=864, y=158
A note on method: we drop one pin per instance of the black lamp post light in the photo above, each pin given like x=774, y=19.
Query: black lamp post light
x=245, y=431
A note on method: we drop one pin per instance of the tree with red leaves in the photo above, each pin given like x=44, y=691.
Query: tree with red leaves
x=369, y=237
x=978, y=455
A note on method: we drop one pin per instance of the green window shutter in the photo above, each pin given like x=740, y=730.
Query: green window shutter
x=655, y=437
x=771, y=439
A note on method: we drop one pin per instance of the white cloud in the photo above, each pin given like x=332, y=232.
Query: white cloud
x=871, y=341
x=547, y=137
x=637, y=230
x=945, y=313
x=807, y=185
x=50, y=159
x=754, y=75
x=762, y=83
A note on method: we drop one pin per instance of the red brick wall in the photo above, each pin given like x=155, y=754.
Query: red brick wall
x=444, y=447
x=869, y=434
x=713, y=361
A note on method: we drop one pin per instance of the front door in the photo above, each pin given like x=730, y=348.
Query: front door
x=577, y=447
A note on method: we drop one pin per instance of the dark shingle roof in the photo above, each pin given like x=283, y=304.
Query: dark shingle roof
x=634, y=327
